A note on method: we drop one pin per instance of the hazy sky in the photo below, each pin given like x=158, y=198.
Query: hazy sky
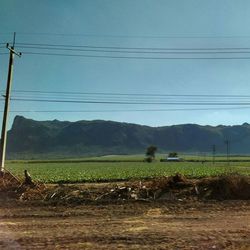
x=130, y=23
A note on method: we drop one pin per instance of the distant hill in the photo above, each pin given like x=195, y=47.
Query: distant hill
x=30, y=138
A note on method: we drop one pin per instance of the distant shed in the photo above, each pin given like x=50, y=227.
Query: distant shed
x=173, y=159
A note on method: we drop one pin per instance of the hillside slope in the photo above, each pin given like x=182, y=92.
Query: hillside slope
x=32, y=138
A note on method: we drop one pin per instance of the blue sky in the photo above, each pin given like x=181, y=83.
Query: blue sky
x=130, y=23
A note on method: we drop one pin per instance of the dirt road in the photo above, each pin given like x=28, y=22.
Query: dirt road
x=133, y=225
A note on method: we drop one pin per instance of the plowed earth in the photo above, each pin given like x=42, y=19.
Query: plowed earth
x=219, y=225
x=108, y=216
x=131, y=225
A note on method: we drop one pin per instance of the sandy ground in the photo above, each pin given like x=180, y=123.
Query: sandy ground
x=131, y=225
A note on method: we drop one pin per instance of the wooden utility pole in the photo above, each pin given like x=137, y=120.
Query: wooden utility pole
x=214, y=150
x=228, y=150
x=6, y=105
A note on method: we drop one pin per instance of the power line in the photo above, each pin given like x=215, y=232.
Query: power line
x=99, y=96
x=128, y=102
x=137, y=52
x=128, y=48
x=131, y=36
x=116, y=95
x=126, y=110
x=134, y=50
x=139, y=101
x=135, y=57
x=136, y=99
x=122, y=98
x=129, y=94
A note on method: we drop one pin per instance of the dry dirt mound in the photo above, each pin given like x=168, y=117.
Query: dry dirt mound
x=166, y=188
x=12, y=187
x=228, y=187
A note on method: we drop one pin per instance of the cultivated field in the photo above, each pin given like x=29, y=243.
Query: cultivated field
x=112, y=168
x=131, y=209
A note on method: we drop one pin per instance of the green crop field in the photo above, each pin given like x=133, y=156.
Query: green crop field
x=70, y=171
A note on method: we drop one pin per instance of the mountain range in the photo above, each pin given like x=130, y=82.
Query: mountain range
x=29, y=138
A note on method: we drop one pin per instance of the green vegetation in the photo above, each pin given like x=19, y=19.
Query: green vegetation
x=173, y=154
x=73, y=171
x=150, y=153
x=137, y=158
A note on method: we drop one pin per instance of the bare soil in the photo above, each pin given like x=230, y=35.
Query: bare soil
x=173, y=213
x=131, y=225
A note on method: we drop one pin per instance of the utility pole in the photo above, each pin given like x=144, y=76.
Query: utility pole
x=214, y=150
x=6, y=105
x=228, y=149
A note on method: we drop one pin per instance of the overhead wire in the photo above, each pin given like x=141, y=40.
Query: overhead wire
x=126, y=97
x=35, y=49
x=133, y=57
x=108, y=98
x=40, y=45
x=137, y=52
x=123, y=95
x=130, y=102
x=129, y=94
x=128, y=110
x=131, y=36
x=136, y=99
